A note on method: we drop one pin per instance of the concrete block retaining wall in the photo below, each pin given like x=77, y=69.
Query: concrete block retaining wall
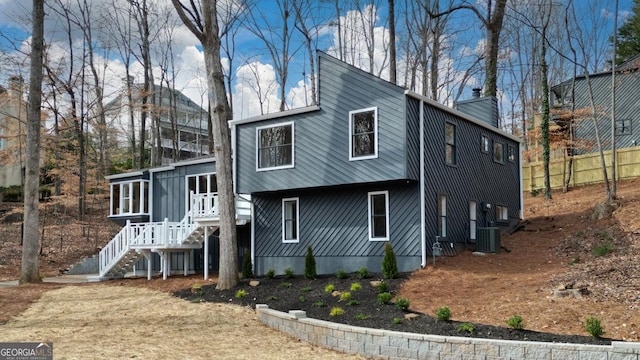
x=386, y=344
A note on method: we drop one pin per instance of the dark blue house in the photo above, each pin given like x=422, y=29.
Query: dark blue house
x=372, y=163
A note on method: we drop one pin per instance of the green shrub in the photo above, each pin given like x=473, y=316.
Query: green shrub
x=515, y=322
x=197, y=289
x=602, y=250
x=329, y=288
x=247, y=267
x=398, y=321
x=286, y=284
x=301, y=298
x=241, y=293
x=341, y=274
x=310, y=265
x=272, y=298
x=383, y=287
x=356, y=286
x=592, y=326
x=288, y=273
x=345, y=296
x=403, y=303
x=443, y=313
x=306, y=289
x=363, y=272
x=466, y=327
x=336, y=311
x=362, y=317
x=535, y=192
x=353, y=303
x=384, y=298
x=389, y=263
x=318, y=304
x=270, y=274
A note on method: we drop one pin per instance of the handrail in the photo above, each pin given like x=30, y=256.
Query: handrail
x=208, y=205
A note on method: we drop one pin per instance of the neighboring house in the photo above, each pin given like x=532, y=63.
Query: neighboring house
x=372, y=163
x=182, y=123
x=627, y=123
x=13, y=116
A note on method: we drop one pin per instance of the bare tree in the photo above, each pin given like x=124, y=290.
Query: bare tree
x=30, y=268
x=392, y=42
x=305, y=11
x=202, y=21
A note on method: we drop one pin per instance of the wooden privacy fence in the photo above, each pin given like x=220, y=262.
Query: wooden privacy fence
x=586, y=169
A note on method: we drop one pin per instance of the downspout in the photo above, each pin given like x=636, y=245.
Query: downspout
x=423, y=236
x=521, y=182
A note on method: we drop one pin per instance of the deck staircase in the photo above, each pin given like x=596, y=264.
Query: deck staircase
x=138, y=240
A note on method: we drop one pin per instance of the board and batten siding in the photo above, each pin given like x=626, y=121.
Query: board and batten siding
x=334, y=222
x=475, y=177
x=169, y=190
x=321, y=137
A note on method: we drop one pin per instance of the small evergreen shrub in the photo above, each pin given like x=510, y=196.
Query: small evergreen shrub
x=356, y=286
x=310, y=265
x=593, y=327
x=301, y=298
x=403, y=303
x=383, y=287
x=305, y=289
x=336, y=311
x=384, y=298
x=398, y=321
x=345, y=296
x=362, y=317
x=443, y=313
x=318, y=304
x=466, y=327
x=363, y=272
x=341, y=274
x=288, y=273
x=270, y=274
x=329, y=288
x=389, y=263
x=247, y=267
x=286, y=284
x=241, y=293
x=353, y=303
x=515, y=322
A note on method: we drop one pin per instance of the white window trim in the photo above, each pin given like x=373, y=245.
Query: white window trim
x=187, y=198
x=442, y=212
x=375, y=137
x=502, y=213
x=370, y=213
x=297, y=236
x=141, y=197
x=293, y=146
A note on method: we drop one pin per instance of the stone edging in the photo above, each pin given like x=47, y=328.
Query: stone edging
x=386, y=344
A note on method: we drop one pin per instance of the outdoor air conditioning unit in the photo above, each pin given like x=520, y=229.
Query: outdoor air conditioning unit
x=488, y=240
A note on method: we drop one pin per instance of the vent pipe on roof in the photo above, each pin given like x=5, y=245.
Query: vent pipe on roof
x=476, y=93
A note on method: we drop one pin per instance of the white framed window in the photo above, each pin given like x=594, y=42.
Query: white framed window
x=363, y=134
x=450, y=143
x=379, y=216
x=290, y=220
x=623, y=126
x=442, y=213
x=275, y=147
x=473, y=219
x=486, y=144
x=129, y=198
x=511, y=153
x=502, y=213
x=200, y=184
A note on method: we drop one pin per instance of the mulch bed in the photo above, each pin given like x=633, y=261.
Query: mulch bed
x=362, y=309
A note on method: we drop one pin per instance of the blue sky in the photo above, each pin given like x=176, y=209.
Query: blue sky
x=251, y=56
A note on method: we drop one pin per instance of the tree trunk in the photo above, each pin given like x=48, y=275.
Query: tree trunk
x=392, y=43
x=30, y=268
